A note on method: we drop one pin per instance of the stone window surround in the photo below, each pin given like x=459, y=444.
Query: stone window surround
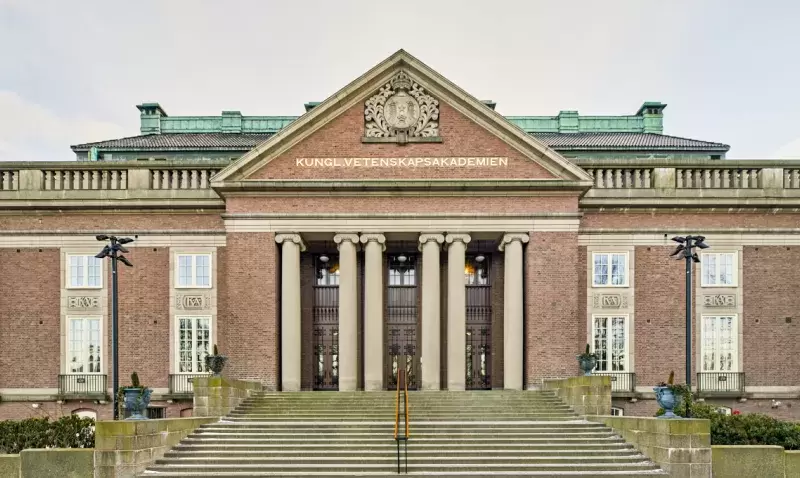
x=68, y=275
x=208, y=295
x=176, y=345
x=610, y=253
x=701, y=272
x=737, y=362
x=628, y=346
x=194, y=257
x=103, y=344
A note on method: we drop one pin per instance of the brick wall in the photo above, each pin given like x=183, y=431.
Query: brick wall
x=100, y=221
x=552, y=338
x=30, y=318
x=696, y=220
x=771, y=322
x=249, y=307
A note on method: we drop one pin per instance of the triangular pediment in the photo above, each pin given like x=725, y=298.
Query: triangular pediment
x=401, y=121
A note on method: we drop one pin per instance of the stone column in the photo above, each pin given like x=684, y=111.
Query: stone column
x=374, y=245
x=430, y=360
x=456, y=311
x=291, y=341
x=348, y=311
x=513, y=290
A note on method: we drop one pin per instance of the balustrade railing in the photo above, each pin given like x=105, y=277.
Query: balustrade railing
x=181, y=178
x=86, y=179
x=729, y=178
x=620, y=382
x=627, y=178
x=9, y=180
x=791, y=178
x=720, y=382
x=82, y=385
x=181, y=383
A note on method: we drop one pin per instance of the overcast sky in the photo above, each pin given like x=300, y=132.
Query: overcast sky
x=72, y=71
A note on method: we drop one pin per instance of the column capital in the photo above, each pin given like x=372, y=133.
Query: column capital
x=509, y=238
x=340, y=238
x=379, y=239
x=427, y=237
x=280, y=238
x=461, y=237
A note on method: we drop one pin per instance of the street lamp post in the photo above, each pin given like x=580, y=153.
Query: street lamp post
x=111, y=250
x=685, y=250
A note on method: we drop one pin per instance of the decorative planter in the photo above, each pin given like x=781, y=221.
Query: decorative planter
x=667, y=400
x=136, y=400
x=587, y=364
x=216, y=363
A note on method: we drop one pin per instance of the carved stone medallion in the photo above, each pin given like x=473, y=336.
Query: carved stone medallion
x=401, y=110
x=610, y=301
x=719, y=300
x=83, y=302
x=192, y=302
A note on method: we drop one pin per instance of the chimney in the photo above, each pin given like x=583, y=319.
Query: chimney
x=568, y=122
x=231, y=121
x=653, y=114
x=151, y=114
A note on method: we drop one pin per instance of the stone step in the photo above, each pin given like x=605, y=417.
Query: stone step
x=373, y=460
x=379, y=426
x=428, y=468
x=470, y=474
x=184, y=451
x=467, y=447
x=347, y=440
x=417, y=434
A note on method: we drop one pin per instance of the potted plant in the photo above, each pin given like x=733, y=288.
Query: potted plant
x=669, y=395
x=136, y=398
x=216, y=362
x=587, y=361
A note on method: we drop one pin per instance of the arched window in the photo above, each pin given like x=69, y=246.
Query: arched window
x=617, y=412
x=187, y=412
x=85, y=413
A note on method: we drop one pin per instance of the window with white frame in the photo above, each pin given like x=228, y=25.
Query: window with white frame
x=194, y=341
x=720, y=347
x=194, y=270
x=84, y=272
x=617, y=412
x=610, y=269
x=610, y=342
x=718, y=269
x=84, y=339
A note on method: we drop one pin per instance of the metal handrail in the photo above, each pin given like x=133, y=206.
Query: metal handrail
x=401, y=379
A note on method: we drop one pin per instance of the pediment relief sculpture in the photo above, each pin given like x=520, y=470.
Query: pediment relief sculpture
x=401, y=112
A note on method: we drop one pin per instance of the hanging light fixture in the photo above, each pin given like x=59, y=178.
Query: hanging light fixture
x=480, y=258
x=402, y=258
x=324, y=259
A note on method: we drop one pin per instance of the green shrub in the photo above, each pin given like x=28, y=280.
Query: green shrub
x=744, y=429
x=67, y=432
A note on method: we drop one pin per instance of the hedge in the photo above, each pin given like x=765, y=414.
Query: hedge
x=744, y=429
x=67, y=432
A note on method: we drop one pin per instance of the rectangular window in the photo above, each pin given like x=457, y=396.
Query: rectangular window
x=720, y=344
x=610, y=343
x=84, y=341
x=610, y=269
x=194, y=270
x=718, y=269
x=85, y=272
x=194, y=341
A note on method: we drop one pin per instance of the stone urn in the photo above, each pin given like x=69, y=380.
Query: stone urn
x=215, y=363
x=667, y=400
x=136, y=400
x=587, y=361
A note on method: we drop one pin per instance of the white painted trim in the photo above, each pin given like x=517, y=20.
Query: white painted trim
x=67, y=275
x=395, y=224
x=627, y=269
x=194, y=256
x=717, y=253
x=176, y=346
x=628, y=342
x=103, y=341
x=32, y=241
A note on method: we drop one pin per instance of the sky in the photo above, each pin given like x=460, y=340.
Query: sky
x=72, y=71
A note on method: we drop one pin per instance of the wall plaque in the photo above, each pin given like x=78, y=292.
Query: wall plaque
x=192, y=302
x=83, y=302
x=719, y=300
x=610, y=301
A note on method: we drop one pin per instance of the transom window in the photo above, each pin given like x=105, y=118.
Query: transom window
x=720, y=343
x=85, y=271
x=84, y=345
x=610, y=269
x=718, y=269
x=402, y=270
x=327, y=269
x=194, y=341
x=194, y=270
x=610, y=343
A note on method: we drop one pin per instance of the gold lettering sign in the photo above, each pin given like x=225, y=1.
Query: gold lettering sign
x=460, y=162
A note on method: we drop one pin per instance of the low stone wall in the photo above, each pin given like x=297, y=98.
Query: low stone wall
x=216, y=396
x=681, y=447
x=754, y=461
x=587, y=395
x=124, y=448
x=61, y=462
x=9, y=466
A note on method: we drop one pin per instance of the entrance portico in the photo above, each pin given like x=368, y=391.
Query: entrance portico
x=337, y=360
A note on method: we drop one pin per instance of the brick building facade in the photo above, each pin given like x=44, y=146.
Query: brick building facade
x=399, y=223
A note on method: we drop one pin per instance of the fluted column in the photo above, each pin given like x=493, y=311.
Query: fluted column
x=374, y=245
x=513, y=290
x=291, y=337
x=430, y=360
x=348, y=311
x=456, y=311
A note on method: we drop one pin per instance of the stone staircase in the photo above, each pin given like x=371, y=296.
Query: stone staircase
x=476, y=434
